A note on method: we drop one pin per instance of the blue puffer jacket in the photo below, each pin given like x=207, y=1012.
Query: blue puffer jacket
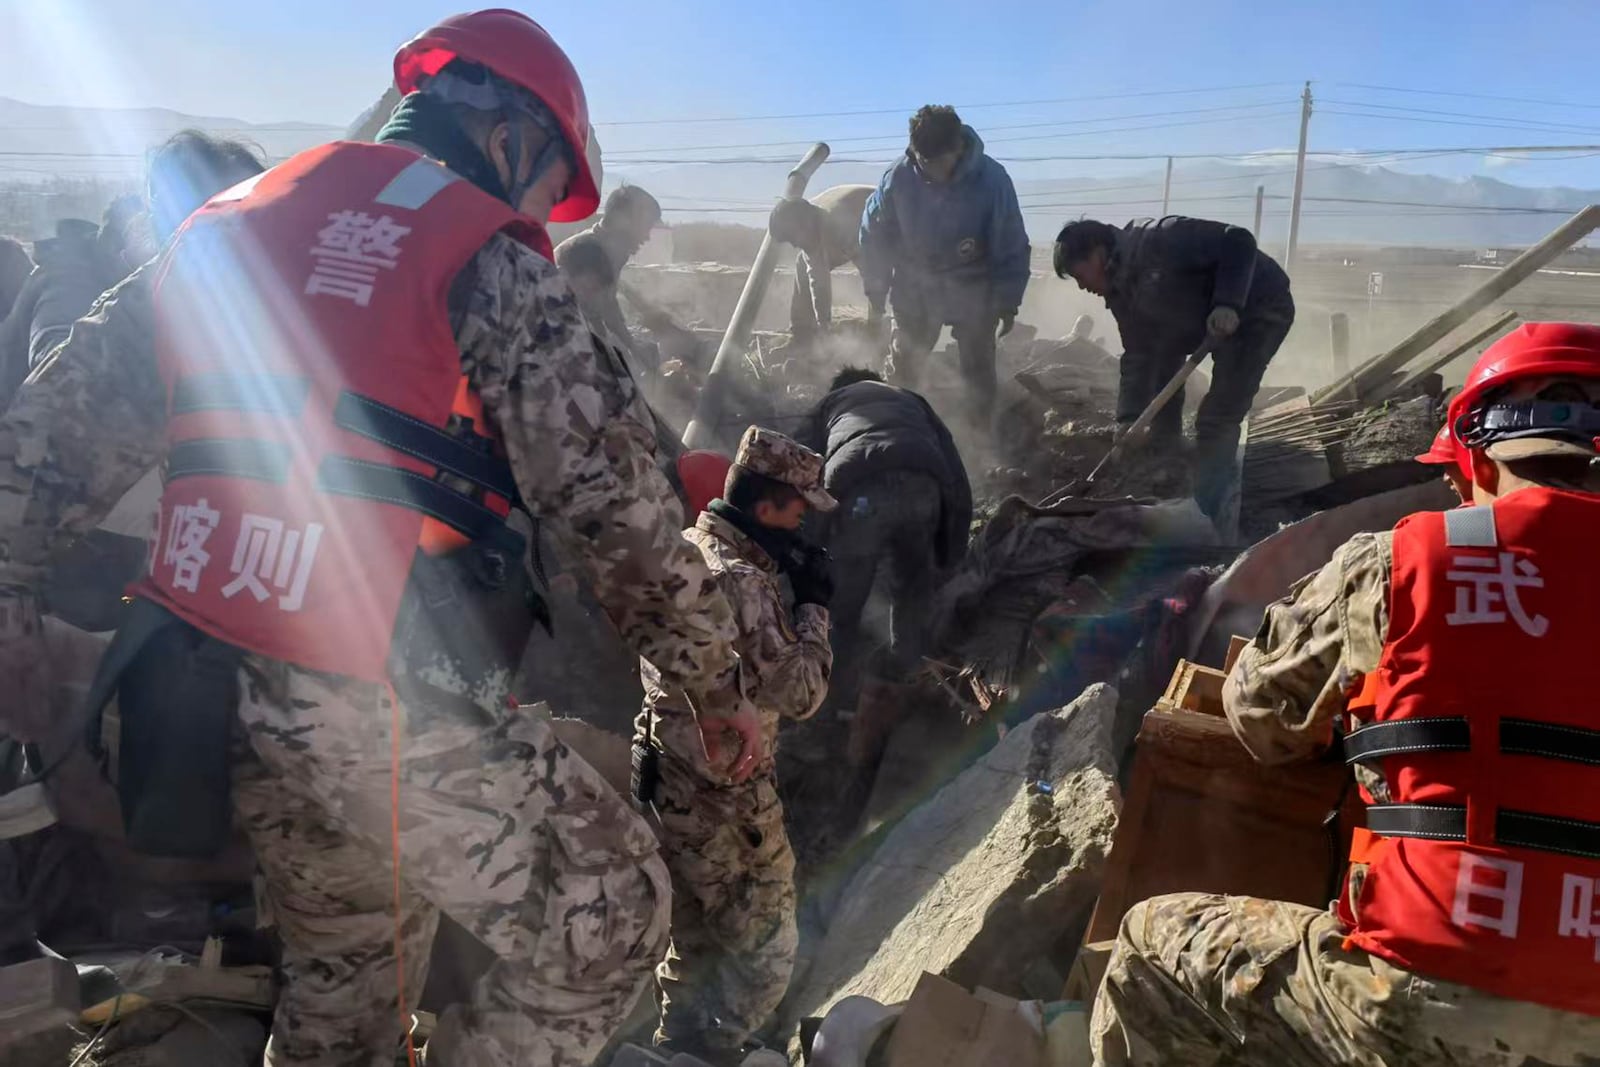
x=958, y=248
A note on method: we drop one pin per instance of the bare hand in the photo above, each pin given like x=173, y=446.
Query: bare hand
x=746, y=725
x=1223, y=321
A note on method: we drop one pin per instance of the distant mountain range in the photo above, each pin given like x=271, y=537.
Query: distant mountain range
x=1361, y=205
x=1339, y=208
x=42, y=141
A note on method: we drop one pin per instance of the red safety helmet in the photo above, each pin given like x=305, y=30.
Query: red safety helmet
x=1532, y=350
x=519, y=50
x=703, y=475
x=1444, y=451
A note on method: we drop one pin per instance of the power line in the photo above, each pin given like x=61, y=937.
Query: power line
x=1512, y=125
x=965, y=107
x=1469, y=96
x=898, y=137
x=1566, y=126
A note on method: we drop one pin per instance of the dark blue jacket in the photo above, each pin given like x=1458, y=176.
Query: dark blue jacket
x=870, y=428
x=960, y=244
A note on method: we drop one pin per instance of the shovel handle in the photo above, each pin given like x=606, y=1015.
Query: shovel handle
x=1152, y=409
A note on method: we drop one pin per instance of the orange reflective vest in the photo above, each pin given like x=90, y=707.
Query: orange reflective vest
x=319, y=429
x=1483, y=864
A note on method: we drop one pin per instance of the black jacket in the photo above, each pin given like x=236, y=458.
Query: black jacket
x=1165, y=277
x=868, y=428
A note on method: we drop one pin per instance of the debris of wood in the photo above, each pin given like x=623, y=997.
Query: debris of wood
x=1203, y=815
x=1194, y=687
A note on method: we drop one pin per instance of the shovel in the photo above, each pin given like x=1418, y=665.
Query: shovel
x=1140, y=425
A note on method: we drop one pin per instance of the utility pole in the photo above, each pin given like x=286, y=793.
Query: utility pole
x=1299, y=180
x=1166, y=189
x=1261, y=195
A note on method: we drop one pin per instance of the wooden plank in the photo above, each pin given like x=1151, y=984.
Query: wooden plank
x=1235, y=646
x=1194, y=687
x=1203, y=816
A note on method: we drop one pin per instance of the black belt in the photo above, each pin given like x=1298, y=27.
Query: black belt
x=275, y=394
x=1512, y=829
x=407, y=489
x=1518, y=737
x=266, y=461
x=395, y=429
x=262, y=461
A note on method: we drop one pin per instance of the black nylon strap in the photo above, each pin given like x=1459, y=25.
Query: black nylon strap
x=1512, y=829
x=395, y=429
x=262, y=461
x=1524, y=737
x=276, y=394
x=407, y=489
x=1436, y=822
x=1547, y=833
x=1406, y=735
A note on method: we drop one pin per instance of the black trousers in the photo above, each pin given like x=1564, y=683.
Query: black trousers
x=1237, y=366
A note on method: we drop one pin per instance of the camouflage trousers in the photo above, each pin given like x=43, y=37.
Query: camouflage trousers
x=499, y=825
x=733, y=912
x=1197, y=980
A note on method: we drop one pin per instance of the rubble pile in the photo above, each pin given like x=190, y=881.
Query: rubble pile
x=991, y=878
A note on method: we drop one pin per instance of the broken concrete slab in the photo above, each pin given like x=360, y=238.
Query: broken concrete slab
x=1002, y=866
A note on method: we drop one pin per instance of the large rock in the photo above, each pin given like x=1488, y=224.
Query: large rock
x=994, y=873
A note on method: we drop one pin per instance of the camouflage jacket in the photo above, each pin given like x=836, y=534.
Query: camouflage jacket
x=90, y=420
x=786, y=661
x=1290, y=683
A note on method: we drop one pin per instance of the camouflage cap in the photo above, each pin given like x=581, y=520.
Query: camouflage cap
x=786, y=460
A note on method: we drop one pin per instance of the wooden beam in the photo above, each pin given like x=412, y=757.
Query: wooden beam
x=1357, y=384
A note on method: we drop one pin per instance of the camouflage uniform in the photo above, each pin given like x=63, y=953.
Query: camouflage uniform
x=733, y=919
x=498, y=823
x=1197, y=979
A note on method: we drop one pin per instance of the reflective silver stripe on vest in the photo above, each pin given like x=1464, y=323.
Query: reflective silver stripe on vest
x=240, y=191
x=416, y=185
x=1470, y=528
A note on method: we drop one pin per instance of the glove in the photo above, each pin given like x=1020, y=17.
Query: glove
x=812, y=580
x=1222, y=322
x=1008, y=319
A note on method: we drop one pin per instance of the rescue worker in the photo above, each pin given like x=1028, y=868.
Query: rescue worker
x=71, y=272
x=624, y=227
x=1466, y=930
x=1170, y=283
x=733, y=919
x=1444, y=455
x=943, y=243
x=82, y=261
x=826, y=233
x=906, y=508
x=187, y=170
x=372, y=363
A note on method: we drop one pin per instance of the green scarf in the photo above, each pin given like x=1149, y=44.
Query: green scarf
x=428, y=124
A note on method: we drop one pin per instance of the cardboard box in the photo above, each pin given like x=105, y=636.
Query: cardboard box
x=945, y=1026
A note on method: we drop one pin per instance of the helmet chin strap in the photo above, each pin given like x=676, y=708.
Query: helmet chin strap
x=492, y=94
x=548, y=155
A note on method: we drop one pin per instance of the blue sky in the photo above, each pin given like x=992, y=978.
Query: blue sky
x=324, y=62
